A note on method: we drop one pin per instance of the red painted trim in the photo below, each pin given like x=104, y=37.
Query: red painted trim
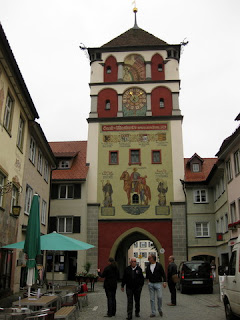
x=112, y=63
x=160, y=157
x=103, y=96
x=134, y=163
x=109, y=232
x=161, y=93
x=157, y=75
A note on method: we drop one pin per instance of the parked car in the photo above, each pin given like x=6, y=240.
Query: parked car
x=195, y=274
x=231, y=284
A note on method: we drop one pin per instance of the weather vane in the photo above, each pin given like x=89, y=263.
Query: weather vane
x=135, y=12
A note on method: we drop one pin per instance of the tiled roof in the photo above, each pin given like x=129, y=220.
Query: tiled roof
x=135, y=37
x=207, y=166
x=228, y=141
x=79, y=168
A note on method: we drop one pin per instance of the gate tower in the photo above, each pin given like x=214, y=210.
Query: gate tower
x=135, y=148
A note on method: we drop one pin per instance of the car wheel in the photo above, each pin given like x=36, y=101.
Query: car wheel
x=182, y=289
x=228, y=310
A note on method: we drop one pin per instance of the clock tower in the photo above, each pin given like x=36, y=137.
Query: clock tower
x=135, y=148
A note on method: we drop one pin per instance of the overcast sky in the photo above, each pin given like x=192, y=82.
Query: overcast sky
x=45, y=36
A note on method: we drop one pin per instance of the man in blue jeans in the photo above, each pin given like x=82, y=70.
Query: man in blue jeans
x=156, y=276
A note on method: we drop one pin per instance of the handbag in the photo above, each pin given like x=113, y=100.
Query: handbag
x=175, y=278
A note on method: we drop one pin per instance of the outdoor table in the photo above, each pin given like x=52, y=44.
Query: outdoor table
x=14, y=313
x=42, y=302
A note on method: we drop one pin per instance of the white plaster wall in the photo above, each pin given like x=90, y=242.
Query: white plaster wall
x=92, y=159
x=171, y=67
x=178, y=160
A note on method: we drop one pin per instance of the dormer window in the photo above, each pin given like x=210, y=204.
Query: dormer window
x=195, y=167
x=64, y=164
x=160, y=67
x=109, y=70
x=161, y=103
x=107, y=105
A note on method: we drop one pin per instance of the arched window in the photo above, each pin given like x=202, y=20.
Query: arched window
x=107, y=105
x=160, y=67
x=161, y=103
x=135, y=198
x=109, y=70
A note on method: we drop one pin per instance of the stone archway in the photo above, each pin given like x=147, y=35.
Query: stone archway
x=122, y=243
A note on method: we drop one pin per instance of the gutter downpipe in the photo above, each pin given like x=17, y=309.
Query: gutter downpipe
x=184, y=191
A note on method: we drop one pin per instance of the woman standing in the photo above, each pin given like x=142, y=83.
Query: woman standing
x=111, y=275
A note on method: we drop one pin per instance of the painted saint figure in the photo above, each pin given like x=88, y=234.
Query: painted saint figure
x=162, y=189
x=108, y=191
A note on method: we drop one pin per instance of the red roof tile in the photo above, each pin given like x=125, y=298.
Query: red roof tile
x=135, y=37
x=207, y=166
x=77, y=150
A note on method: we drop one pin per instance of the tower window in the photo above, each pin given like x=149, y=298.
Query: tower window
x=107, y=105
x=135, y=199
x=113, y=157
x=156, y=156
x=135, y=156
x=161, y=103
x=109, y=69
x=160, y=67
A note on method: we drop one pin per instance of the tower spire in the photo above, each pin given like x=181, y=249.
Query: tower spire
x=135, y=10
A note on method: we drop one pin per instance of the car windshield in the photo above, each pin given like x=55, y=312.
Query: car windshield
x=197, y=267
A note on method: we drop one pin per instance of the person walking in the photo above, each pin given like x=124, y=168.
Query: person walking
x=172, y=269
x=155, y=275
x=111, y=275
x=134, y=281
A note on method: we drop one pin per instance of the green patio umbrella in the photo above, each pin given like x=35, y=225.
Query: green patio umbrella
x=32, y=245
x=55, y=242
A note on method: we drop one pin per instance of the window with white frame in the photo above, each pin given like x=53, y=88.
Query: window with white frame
x=143, y=244
x=8, y=113
x=20, y=133
x=143, y=254
x=237, y=162
x=233, y=212
x=229, y=170
x=64, y=164
x=150, y=243
x=195, y=167
x=135, y=245
x=217, y=226
x=65, y=224
x=32, y=151
x=66, y=191
x=135, y=254
x=221, y=225
x=2, y=180
x=46, y=171
x=14, y=199
x=44, y=212
x=200, y=196
x=40, y=162
x=28, y=199
x=202, y=229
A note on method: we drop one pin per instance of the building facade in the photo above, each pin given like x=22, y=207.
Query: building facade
x=135, y=149
x=19, y=165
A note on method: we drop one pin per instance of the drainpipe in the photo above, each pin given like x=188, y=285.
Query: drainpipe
x=184, y=191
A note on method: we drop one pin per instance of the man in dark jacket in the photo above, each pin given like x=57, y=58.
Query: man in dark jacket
x=134, y=280
x=155, y=275
x=172, y=269
x=111, y=275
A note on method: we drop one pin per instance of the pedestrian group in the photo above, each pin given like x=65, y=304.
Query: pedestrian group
x=133, y=280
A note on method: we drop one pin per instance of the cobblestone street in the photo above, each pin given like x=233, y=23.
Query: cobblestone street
x=194, y=306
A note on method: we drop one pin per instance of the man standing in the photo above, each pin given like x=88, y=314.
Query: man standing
x=134, y=280
x=155, y=275
x=172, y=269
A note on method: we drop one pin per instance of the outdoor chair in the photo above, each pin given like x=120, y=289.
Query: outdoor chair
x=41, y=316
x=83, y=295
x=73, y=302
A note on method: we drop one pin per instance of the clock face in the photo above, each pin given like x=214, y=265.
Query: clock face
x=134, y=99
